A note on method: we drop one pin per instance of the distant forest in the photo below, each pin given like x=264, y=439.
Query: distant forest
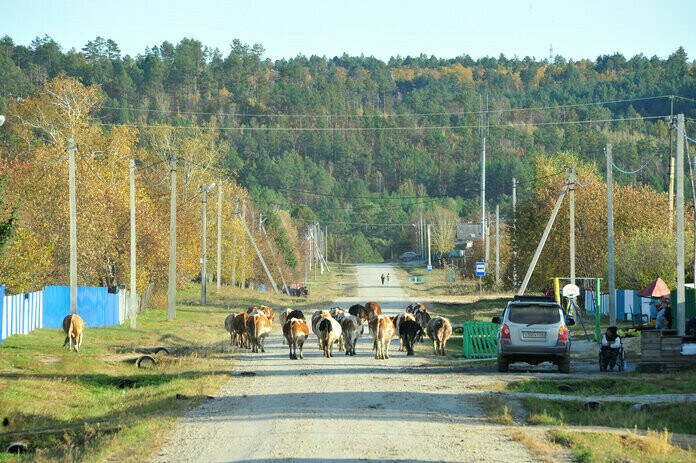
x=361, y=141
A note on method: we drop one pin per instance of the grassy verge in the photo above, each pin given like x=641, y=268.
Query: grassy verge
x=497, y=409
x=67, y=406
x=603, y=447
x=678, y=417
x=670, y=383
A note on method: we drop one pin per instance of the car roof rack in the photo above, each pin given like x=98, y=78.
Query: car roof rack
x=539, y=298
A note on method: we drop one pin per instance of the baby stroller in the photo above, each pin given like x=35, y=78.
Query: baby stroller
x=611, y=351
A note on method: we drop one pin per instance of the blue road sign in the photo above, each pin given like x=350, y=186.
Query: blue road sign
x=480, y=269
x=430, y=268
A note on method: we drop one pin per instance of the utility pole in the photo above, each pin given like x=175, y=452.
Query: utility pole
x=572, y=225
x=488, y=240
x=610, y=237
x=497, y=244
x=234, y=243
x=171, y=293
x=204, y=253
x=243, y=282
x=219, y=238
x=681, y=315
x=421, y=251
x=514, y=232
x=429, y=253
x=671, y=165
x=73, y=229
x=484, y=231
x=133, y=286
x=326, y=242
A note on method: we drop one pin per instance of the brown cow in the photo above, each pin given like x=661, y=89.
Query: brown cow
x=329, y=332
x=270, y=314
x=239, y=326
x=228, y=326
x=412, y=308
x=439, y=330
x=359, y=312
x=373, y=309
x=382, y=329
x=258, y=327
x=295, y=332
x=73, y=325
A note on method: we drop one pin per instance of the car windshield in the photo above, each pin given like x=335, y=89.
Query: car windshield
x=533, y=314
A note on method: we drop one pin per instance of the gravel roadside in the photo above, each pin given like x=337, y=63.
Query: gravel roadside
x=343, y=408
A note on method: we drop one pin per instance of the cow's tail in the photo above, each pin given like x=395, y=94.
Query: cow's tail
x=325, y=326
x=70, y=330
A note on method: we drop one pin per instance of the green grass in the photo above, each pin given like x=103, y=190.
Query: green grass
x=590, y=447
x=678, y=417
x=635, y=384
x=43, y=386
x=603, y=386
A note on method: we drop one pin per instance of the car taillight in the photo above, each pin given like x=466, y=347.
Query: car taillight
x=562, y=333
x=505, y=334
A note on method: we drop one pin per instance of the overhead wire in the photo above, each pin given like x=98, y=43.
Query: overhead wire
x=392, y=115
x=377, y=129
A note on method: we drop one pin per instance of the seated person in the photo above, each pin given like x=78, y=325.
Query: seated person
x=611, y=346
x=664, y=316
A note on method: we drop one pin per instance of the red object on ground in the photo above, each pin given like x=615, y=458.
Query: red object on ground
x=657, y=288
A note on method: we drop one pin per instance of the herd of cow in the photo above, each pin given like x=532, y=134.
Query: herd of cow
x=335, y=326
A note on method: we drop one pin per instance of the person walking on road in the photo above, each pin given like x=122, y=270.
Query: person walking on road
x=388, y=278
x=382, y=277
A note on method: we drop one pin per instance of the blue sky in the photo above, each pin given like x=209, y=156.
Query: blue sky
x=577, y=29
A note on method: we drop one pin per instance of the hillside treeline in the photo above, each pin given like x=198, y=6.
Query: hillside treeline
x=362, y=141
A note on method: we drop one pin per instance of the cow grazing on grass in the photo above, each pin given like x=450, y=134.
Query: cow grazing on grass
x=228, y=326
x=382, y=330
x=240, y=332
x=258, y=327
x=359, y=312
x=73, y=325
x=295, y=331
x=439, y=330
x=408, y=332
x=398, y=320
x=351, y=329
x=329, y=332
x=373, y=309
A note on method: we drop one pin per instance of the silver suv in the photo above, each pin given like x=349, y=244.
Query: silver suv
x=533, y=330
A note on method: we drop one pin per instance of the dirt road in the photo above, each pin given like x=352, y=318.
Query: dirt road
x=343, y=408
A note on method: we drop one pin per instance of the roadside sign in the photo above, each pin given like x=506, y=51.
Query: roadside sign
x=480, y=269
x=430, y=268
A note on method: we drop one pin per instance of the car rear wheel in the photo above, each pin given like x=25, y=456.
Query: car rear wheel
x=503, y=364
x=564, y=365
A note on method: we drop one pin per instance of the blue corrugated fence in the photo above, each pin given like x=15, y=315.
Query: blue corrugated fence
x=24, y=313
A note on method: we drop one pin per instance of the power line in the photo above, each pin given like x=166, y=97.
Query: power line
x=633, y=171
x=377, y=129
x=392, y=115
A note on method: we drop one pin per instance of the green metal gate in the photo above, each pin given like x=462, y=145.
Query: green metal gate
x=479, y=340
